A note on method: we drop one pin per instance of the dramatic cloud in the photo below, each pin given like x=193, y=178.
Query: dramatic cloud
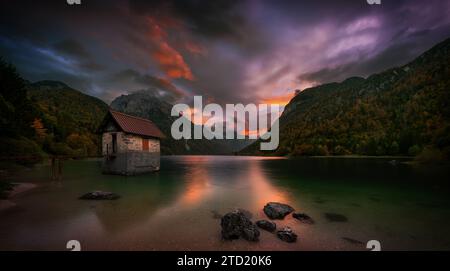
x=73, y=51
x=227, y=51
x=219, y=18
x=169, y=59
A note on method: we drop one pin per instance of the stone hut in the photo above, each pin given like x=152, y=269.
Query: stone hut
x=130, y=145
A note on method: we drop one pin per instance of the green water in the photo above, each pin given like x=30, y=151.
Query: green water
x=404, y=207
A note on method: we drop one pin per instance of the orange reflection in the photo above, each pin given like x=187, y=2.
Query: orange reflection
x=197, y=181
x=263, y=191
x=201, y=174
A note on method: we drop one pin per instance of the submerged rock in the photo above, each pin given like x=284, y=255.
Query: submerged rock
x=266, y=225
x=276, y=210
x=332, y=217
x=304, y=218
x=247, y=213
x=236, y=225
x=100, y=195
x=250, y=233
x=286, y=234
x=353, y=241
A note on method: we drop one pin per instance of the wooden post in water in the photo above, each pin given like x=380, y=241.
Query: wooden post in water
x=60, y=165
x=56, y=168
x=53, y=169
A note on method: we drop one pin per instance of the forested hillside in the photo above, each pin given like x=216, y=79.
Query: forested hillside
x=69, y=119
x=401, y=111
x=46, y=117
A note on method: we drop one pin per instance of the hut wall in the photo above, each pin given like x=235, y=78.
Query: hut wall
x=130, y=158
x=128, y=142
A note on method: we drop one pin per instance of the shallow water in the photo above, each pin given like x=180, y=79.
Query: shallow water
x=179, y=208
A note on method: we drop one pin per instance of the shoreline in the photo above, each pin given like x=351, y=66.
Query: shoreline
x=17, y=189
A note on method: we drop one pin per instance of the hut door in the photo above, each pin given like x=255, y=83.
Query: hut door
x=145, y=144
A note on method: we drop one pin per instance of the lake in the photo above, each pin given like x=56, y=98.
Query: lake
x=352, y=201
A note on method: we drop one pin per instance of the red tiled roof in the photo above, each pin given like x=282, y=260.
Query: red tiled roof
x=135, y=125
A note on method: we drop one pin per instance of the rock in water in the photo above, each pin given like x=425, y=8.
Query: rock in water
x=266, y=225
x=353, y=241
x=332, y=217
x=276, y=210
x=100, y=195
x=250, y=233
x=247, y=213
x=303, y=218
x=286, y=234
x=236, y=225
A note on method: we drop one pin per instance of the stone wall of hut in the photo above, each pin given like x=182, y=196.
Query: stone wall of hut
x=128, y=142
x=130, y=158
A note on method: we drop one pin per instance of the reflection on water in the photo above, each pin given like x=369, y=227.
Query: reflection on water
x=197, y=183
x=179, y=207
x=262, y=188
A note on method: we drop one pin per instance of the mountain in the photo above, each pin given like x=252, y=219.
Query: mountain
x=57, y=100
x=146, y=105
x=401, y=111
x=46, y=117
x=68, y=120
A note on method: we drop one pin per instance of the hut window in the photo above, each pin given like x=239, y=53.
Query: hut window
x=145, y=144
x=114, y=143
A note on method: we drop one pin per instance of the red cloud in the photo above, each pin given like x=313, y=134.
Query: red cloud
x=168, y=58
x=195, y=48
x=171, y=62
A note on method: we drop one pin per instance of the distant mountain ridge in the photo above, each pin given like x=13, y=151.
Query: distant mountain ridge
x=401, y=111
x=48, y=85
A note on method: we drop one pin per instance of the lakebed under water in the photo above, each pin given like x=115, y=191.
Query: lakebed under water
x=352, y=201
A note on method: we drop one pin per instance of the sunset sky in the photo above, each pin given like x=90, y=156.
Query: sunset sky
x=228, y=51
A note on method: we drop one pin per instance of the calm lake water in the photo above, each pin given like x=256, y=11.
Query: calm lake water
x=179, y=208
